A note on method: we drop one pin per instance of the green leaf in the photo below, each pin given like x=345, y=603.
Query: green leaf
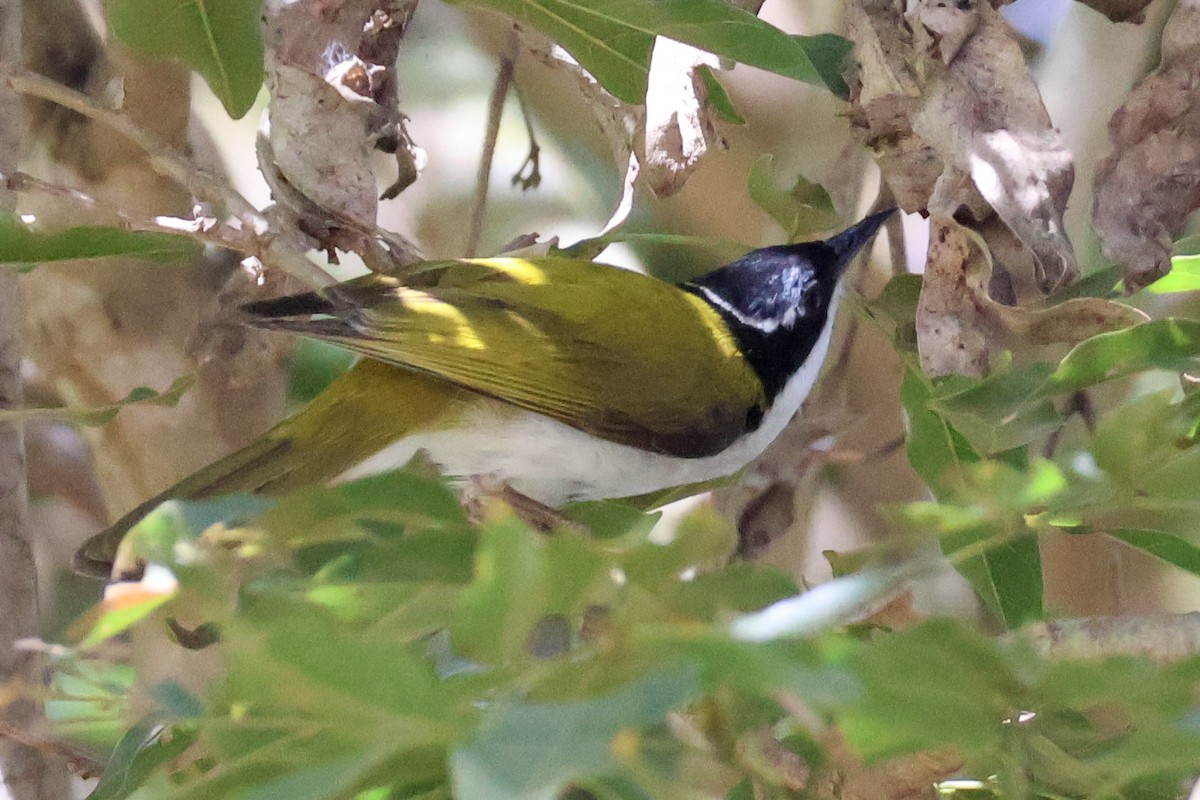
x=704, y=539
x=802, y=209
x=89, y=700
x=501, y=608
x=26, y=247
x=394, y=502
x=756, y=668
x=1183, y=277
x=935, y=449
x=613, y=39
x=935, y=685
x=999, y=412
x=101, y=415
x=531, y=751
x=1101, y=282
x=739, y=587
x=144, y=748
x=1171, y=344
x=718, y=98
x=1171, y=549
x=1007, y=576
x=989, y=543
x=612, y=519
x=219, y=39
x=829, y=52
x=157, y=538
x=314, y=365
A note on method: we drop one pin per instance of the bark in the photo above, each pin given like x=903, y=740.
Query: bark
x=27, y=773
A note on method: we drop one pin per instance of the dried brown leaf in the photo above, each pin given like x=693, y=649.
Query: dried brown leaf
x=1148, y=187
x=946, y=101
x=953, y=324
x=334, y=102
x=1070, y=322
x=680, y=125
x=959, y=324
x=1120, y=10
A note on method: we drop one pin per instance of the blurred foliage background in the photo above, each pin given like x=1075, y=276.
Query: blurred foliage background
x=375, y=644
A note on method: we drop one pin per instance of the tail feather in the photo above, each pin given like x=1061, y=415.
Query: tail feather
x=331, y=329
x=292, y=305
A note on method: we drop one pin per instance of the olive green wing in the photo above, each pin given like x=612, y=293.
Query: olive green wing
x=609, y=351
x=330, y=435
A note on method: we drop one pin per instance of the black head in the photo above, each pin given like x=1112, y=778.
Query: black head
x=776, y=300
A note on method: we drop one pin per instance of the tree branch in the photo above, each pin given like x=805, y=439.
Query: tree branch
x=26, y=772
x=165, y=161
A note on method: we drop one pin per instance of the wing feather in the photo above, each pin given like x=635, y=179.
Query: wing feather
x=612, y=352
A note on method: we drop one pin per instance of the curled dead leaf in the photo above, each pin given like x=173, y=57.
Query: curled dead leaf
x=680, y=124
x=953, y=324
x=1120, y=10
x=946, y=101
x=1148, y=187
x=959, y=324
x=1070, y=322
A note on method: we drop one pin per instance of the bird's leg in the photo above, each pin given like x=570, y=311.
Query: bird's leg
x=482, y=489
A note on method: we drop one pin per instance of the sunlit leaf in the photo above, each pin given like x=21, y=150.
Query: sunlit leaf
x=1172, y=344
x=828, y=605
x=1183, y=277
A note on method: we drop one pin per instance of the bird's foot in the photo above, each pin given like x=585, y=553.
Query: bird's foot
x=481, y=490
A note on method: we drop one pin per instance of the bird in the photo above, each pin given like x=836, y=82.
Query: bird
x=561, y=379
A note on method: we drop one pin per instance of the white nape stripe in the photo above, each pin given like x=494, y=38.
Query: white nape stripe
x=758, y=323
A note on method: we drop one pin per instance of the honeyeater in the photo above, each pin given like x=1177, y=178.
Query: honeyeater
x=563, y=379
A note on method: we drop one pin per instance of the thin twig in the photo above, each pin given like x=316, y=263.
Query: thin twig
x=207, y=231
x=161, y=158
x=80, y=764
x=533, y=161
x=495, y=111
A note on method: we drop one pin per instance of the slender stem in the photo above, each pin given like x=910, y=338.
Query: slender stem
x=240, y=240
x=495, y=111
x=533, y=178
x=161, y=158
x=79, y=763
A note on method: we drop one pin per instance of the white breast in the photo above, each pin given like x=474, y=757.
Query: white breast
x=557, y=464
